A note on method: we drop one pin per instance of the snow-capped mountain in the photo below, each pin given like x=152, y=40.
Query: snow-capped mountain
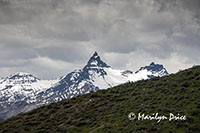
x=153, y=70
x=22, y=86
x=22, y=92
x=97, y=75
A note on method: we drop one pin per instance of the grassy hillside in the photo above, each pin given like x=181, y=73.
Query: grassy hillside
x=107, y=110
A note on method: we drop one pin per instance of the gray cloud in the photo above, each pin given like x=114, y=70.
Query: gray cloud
x=68, y=54
x=36, y=34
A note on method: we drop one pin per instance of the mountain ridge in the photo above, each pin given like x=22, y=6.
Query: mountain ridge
x=22, y=92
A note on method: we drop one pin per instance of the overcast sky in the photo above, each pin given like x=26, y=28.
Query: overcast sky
x=50, y=38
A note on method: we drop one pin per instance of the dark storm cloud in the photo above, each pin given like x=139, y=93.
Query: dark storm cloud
x=193, y=5
x=36, y=34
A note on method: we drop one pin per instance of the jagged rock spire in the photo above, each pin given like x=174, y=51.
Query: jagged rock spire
x=95, y=60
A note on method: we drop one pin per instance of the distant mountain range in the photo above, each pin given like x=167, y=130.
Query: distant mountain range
x=22, y=92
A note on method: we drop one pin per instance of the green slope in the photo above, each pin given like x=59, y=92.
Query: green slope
x=107, y=110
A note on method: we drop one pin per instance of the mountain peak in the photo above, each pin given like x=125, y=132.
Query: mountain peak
x=95, y=54
x=95, y=61
x=22, y=73
x=152, y=64
x=23, y=76
x=154, y=68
